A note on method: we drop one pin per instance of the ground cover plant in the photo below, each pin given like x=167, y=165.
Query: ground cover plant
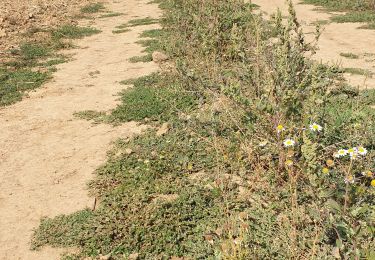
x=356, y=11
x=267, y=155
x=32, y=63
x=92, y=8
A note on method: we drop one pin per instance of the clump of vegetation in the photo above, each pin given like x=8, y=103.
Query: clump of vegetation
x=358, y=71
x=349, y=55
x=111, y=14
x=356, y=11
x=150, y=45
x=92, y=8
x=14, y=83
x=265, y=156
x=120, y=31
x=73, y=32
x=26, y=71
x=138, y=22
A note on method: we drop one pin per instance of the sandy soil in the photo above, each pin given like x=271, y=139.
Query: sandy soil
x=18, y=17
x=337, y=38
x=47, y=155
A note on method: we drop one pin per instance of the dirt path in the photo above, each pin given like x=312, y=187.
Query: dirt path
x=46, y=155
x=337, y=38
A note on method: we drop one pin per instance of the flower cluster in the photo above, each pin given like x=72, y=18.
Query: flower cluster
x=353, y=152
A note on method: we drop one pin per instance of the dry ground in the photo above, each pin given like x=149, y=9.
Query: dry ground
x=17, y=17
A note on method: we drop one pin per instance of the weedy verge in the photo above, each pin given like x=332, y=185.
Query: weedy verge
x=267, y=155
x=92, y=8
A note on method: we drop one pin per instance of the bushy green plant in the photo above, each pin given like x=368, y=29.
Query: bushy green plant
x=274, y=159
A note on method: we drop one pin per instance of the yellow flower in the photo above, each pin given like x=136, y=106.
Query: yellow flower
x=288, y=163
x=349, y=179
x=367, y=174
x=330, y=163
x=190, y=166
x=280, y=128
x=325, y=170
x=373, y=183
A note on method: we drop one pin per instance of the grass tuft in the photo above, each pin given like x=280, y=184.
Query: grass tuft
x=349, y=55
x=143, y=58
x=121, y=31
x=113, y=14
x=14, y=83
x=355, y=11
x=73, y=32
x=92, y=8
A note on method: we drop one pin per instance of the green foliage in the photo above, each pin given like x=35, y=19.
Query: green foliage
x=154, y=33
x=73, y=32
x=349, y=55
x=120, y=31
x=92, y=8
x=30, y=51
x=112, y=14
x=358, y=71
x=220, y=183
x=14, y=83
x=63, y=230
x=356, y=11
x=149, y=205
x=355, y=17
x=21, y=74
x=147, y=99
x=144, y=58
x=150, y=45
x=138, y=22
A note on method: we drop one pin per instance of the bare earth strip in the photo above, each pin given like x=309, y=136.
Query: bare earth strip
x=336, y=38
x=46, y=155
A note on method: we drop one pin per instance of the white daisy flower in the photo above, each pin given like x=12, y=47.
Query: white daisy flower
x=315, y=127
x=349, y=179
x=353, y=152
x=289, y=142
x=341, y=153
x=362, y=150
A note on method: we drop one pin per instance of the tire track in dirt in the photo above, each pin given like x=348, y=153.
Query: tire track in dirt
x=46, y=155
x=336, y=38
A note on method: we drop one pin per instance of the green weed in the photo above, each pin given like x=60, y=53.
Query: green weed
x=356, y=11
x=150, y=45
x=21, y=73
x=349, y=55
x=73, y=32
x=249, y=167
x=138, y=22
x=121, y=31
x=154, y=33
x=113, y=14
x=96, y=116
x=14, y=83
x=358, y=71
x=148, y=100
x=144, y=58
x=92, y=8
